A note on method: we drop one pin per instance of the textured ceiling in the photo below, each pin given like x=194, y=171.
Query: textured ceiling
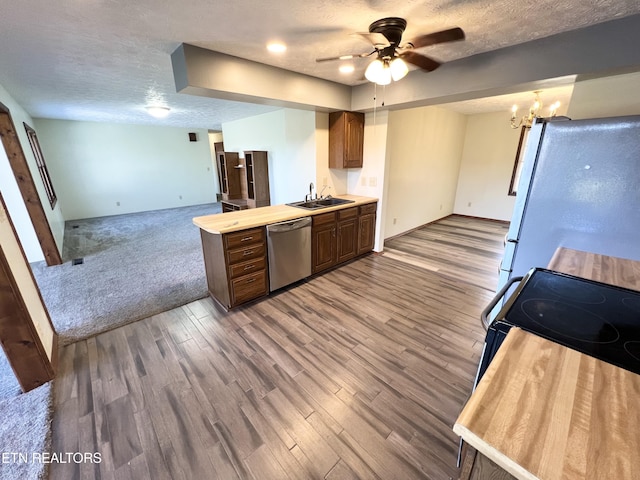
x=104, y=60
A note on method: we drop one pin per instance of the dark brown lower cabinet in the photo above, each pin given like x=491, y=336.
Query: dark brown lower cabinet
x=366, y=230
x=339, y=236
x=347, y=234
x=323, y=242
x=236, y=266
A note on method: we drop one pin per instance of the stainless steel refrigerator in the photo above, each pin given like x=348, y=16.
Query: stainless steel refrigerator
x=579, y=188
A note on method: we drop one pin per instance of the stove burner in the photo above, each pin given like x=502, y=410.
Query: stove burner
x=632, y=303
x=569, y=321
x=581, y=292
x=633, y=349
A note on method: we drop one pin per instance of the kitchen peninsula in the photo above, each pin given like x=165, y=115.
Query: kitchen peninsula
x=235, y=244
x=545, y=411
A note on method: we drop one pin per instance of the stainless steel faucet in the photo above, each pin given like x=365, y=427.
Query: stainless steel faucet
x=309, y=196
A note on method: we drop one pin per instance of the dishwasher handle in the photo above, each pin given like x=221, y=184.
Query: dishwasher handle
x=289, y=225
x=484, y=316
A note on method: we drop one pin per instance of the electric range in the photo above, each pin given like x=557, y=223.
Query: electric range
x=594, y=318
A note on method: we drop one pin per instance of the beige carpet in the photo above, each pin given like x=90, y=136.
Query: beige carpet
x=25, y=433
x=134, y=266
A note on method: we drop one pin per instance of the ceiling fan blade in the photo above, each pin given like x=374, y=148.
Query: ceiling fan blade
x=345, y=57
x=450, y=35
x=378, y=40
x=425, y=63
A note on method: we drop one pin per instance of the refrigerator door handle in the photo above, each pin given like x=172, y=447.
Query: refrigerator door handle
x=512, y=240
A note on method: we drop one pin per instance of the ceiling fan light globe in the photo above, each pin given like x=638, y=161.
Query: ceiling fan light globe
x=374, y=70
x=384, y=77
x=398, y=69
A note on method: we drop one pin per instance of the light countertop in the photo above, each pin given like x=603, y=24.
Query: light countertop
x=544, y=411
x=258, y=217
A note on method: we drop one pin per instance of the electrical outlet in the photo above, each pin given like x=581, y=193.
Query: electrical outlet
x=324, y=182
x=117, y=204
x=395, y=220
x=469, y=204
x=373, y=181
x=440, y=206
x=363, y=181
x=180, y=197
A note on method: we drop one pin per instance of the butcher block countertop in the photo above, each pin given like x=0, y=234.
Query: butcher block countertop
x=259, y=217
x=544, y=411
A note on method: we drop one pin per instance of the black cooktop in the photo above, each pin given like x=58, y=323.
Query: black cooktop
x=594, y=318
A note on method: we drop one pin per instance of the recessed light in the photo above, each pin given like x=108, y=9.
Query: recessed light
x=346, y=68
x=276, y=47
x=157, y=111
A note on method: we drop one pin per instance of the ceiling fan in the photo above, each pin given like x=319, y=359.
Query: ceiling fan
x=385, y=35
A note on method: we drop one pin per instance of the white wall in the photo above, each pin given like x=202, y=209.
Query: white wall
x=9, y=187
x=289, y=137
x=372, y=179
x=487, y=164
x=606, y=97
x=96, y=165
x=424, y=149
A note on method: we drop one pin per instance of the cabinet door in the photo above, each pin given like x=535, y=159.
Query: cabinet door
x=323, y=245
x=354, y=140
x=347, y=239
x=229, y=175
x=366, y=232
x=346, y=138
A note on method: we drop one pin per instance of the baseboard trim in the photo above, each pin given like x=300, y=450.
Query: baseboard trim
x=418, y=227
x=504, y=222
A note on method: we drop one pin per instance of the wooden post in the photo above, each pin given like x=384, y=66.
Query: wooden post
x=26, y=332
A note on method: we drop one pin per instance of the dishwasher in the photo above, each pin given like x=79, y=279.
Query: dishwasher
x=289, y=250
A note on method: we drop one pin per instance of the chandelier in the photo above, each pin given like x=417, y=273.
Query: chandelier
x=386, y=68
x=534, y=112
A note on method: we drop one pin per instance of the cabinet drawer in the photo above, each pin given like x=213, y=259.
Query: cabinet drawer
x=347, y=213
x=368, y=208
x=323, y=218
x=245, y=237
x=246, y=253
x=248, y=287
x=247, y=267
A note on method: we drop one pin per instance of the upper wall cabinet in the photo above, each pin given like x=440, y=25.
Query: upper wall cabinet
x=346, y=139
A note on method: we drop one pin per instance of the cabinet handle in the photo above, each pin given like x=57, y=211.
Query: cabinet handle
x=251, y=280
x=333, y=232
x=249, y=267
x=246, y=239
x=247, y=252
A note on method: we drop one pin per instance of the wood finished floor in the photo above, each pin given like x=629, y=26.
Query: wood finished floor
x=357, y=373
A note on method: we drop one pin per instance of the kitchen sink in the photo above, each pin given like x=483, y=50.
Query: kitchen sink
x=320, y=203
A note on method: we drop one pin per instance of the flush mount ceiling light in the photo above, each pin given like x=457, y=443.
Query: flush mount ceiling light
x=157, y=111
x=276, y=47
x=534, y=112
x=346, y=69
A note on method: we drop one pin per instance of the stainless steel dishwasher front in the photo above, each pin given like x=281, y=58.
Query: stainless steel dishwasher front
x=289, y=248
